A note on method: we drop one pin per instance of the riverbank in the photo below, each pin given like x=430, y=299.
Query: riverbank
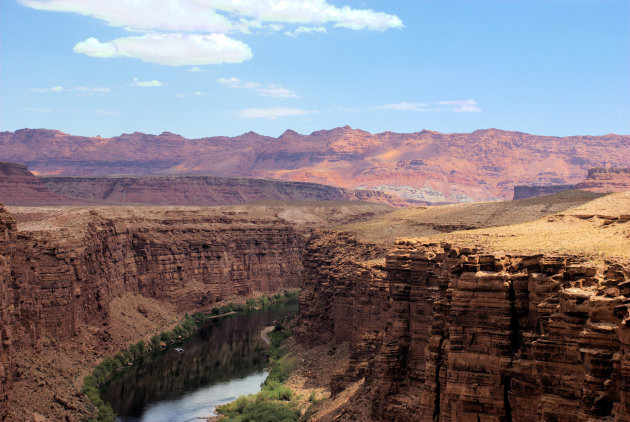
x=144, y=348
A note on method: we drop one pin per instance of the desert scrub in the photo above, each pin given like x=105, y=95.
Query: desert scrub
x=275, y=401
x=110, y=366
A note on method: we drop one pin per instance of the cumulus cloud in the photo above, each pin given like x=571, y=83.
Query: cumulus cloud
x=193, y=32
x=147, y=84
x=270, y=90
x=219, y=16
x=404, y=106
x=195, y=69
x=462, y=106
x=170, y=49
x=271, y=112
x=306, y=30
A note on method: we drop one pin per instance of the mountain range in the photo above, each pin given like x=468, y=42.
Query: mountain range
x=424, y=166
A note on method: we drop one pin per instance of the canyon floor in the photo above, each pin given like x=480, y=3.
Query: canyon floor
x=81, y=281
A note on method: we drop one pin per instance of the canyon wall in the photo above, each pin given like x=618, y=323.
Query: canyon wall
x=58, y=282
x=202, y=190
x=18, y=186
x=600, y=179
x=534, y=191
x=443, y=333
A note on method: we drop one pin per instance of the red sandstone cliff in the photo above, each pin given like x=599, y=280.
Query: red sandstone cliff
x=58, y=283
x=203, y=190
x=424, y=166
x=449, y=334
x=601, y=179
x=18, y=186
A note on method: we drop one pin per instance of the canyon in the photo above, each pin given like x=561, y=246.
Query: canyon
x=424, y=166
x=495, y=311
x=78, y=283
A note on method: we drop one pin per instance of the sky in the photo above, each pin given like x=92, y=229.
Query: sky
x=218, y=67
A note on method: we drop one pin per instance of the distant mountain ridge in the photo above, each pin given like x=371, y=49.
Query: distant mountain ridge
x=421, y=166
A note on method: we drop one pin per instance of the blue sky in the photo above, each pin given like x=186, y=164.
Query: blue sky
x=206, y=67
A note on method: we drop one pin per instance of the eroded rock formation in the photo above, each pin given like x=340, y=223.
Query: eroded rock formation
x=60, y=281
x=203, y=190
x=600, y=179
x=18, y=186
x=450, y=334
x=422, y=166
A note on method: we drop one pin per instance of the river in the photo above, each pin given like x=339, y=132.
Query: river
x=224, y=359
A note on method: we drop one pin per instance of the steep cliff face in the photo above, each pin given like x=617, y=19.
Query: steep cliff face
x=7, y=233
x=606, y=180
x=600, y=179
x=203, y=190
x=18, y=186
x=467, y=336
x=58, y=283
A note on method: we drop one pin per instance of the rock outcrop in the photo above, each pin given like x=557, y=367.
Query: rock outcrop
x=453, y=334
x=423, y=166
x=203, y=190
x=600, y=179
x=18, y=186
x=606, y=180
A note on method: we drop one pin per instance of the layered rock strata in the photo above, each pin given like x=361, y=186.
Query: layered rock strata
x=203, y=190
x=450, y=334
x=422, y=166
x=57, y=283
x=18, y=186
x=600, y=179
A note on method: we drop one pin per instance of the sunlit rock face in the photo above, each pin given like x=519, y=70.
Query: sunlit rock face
x=450, y=334
x=601, y=180
x=422, y=166
x=59, y=281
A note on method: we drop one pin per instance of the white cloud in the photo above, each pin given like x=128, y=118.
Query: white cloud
x=462, y=106
x=193, y=32
x=306, y=30
x=147, y=84
x=170, y=49
x=271, y=112
x=404, y=106
x=55, y=89
x=190, y=94
x=80, y=90
x=219, y=16
x=97, y=90
x=195, y=69
x=270, y=90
